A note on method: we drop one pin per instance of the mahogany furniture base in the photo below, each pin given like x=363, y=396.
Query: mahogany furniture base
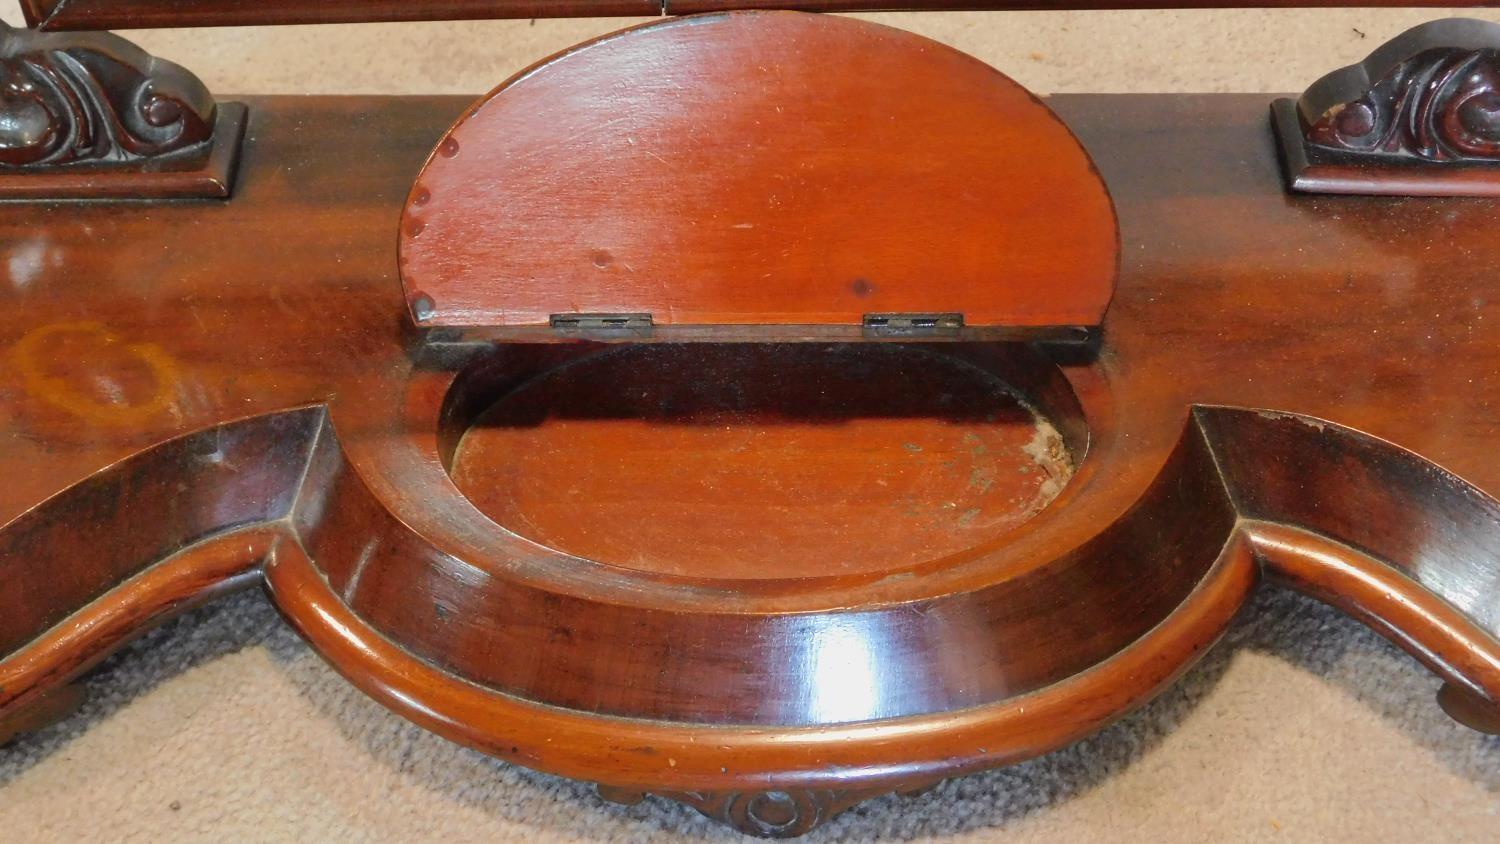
x=1288, y=389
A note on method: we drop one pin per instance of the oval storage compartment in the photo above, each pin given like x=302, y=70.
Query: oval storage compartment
x=763, y=460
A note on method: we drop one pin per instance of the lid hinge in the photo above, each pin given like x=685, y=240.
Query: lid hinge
x=913, y=325
x=603, y=326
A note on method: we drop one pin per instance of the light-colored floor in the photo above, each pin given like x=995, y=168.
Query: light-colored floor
x=1300, y=726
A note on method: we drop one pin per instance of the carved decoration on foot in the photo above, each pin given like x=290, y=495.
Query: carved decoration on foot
x=1419, y=116
x=765, y=814
x=93, y=116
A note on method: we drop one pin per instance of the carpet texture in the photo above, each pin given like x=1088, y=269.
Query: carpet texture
x=1299, y=726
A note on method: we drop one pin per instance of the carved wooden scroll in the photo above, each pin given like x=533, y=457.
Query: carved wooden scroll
x=1419, y=116
x=92, y=116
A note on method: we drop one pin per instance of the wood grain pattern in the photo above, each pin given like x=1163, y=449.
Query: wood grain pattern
x=760, y=168
x=1217, y=458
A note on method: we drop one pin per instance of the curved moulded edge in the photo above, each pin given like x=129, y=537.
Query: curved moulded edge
x=1378, y=531
x=657, y=755
x=200, y=573
x=1365, y=525
x=137, y=542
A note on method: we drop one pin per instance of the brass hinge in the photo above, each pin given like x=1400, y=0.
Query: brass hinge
x=602, y=325
x=913, y=325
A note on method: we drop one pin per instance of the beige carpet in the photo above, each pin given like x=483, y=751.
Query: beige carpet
x=1300, y=726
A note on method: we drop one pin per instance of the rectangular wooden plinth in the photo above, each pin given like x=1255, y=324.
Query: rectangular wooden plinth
x=1373, y=178
x=213, y=179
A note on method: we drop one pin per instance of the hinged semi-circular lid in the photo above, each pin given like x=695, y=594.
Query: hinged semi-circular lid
x=760, y=174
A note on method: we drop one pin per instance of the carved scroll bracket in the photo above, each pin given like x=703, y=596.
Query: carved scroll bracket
x=92, y=116
x=1419, y=117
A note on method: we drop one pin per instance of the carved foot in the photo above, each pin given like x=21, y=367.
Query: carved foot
x=767, y=814
x=92, y=116
x=1419, y=117
x=1470, y=709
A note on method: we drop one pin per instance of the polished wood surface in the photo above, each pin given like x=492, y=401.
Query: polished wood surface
x=766, y=168
x=204, y=393
x=691, y=459
x=126, y=14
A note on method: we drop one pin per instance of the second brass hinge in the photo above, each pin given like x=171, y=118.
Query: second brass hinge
x=913, y=325
x=603, y=325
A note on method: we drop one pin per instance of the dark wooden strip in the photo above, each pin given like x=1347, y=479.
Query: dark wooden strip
x=136, y=14
x=140, y=14
x=687, y=7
